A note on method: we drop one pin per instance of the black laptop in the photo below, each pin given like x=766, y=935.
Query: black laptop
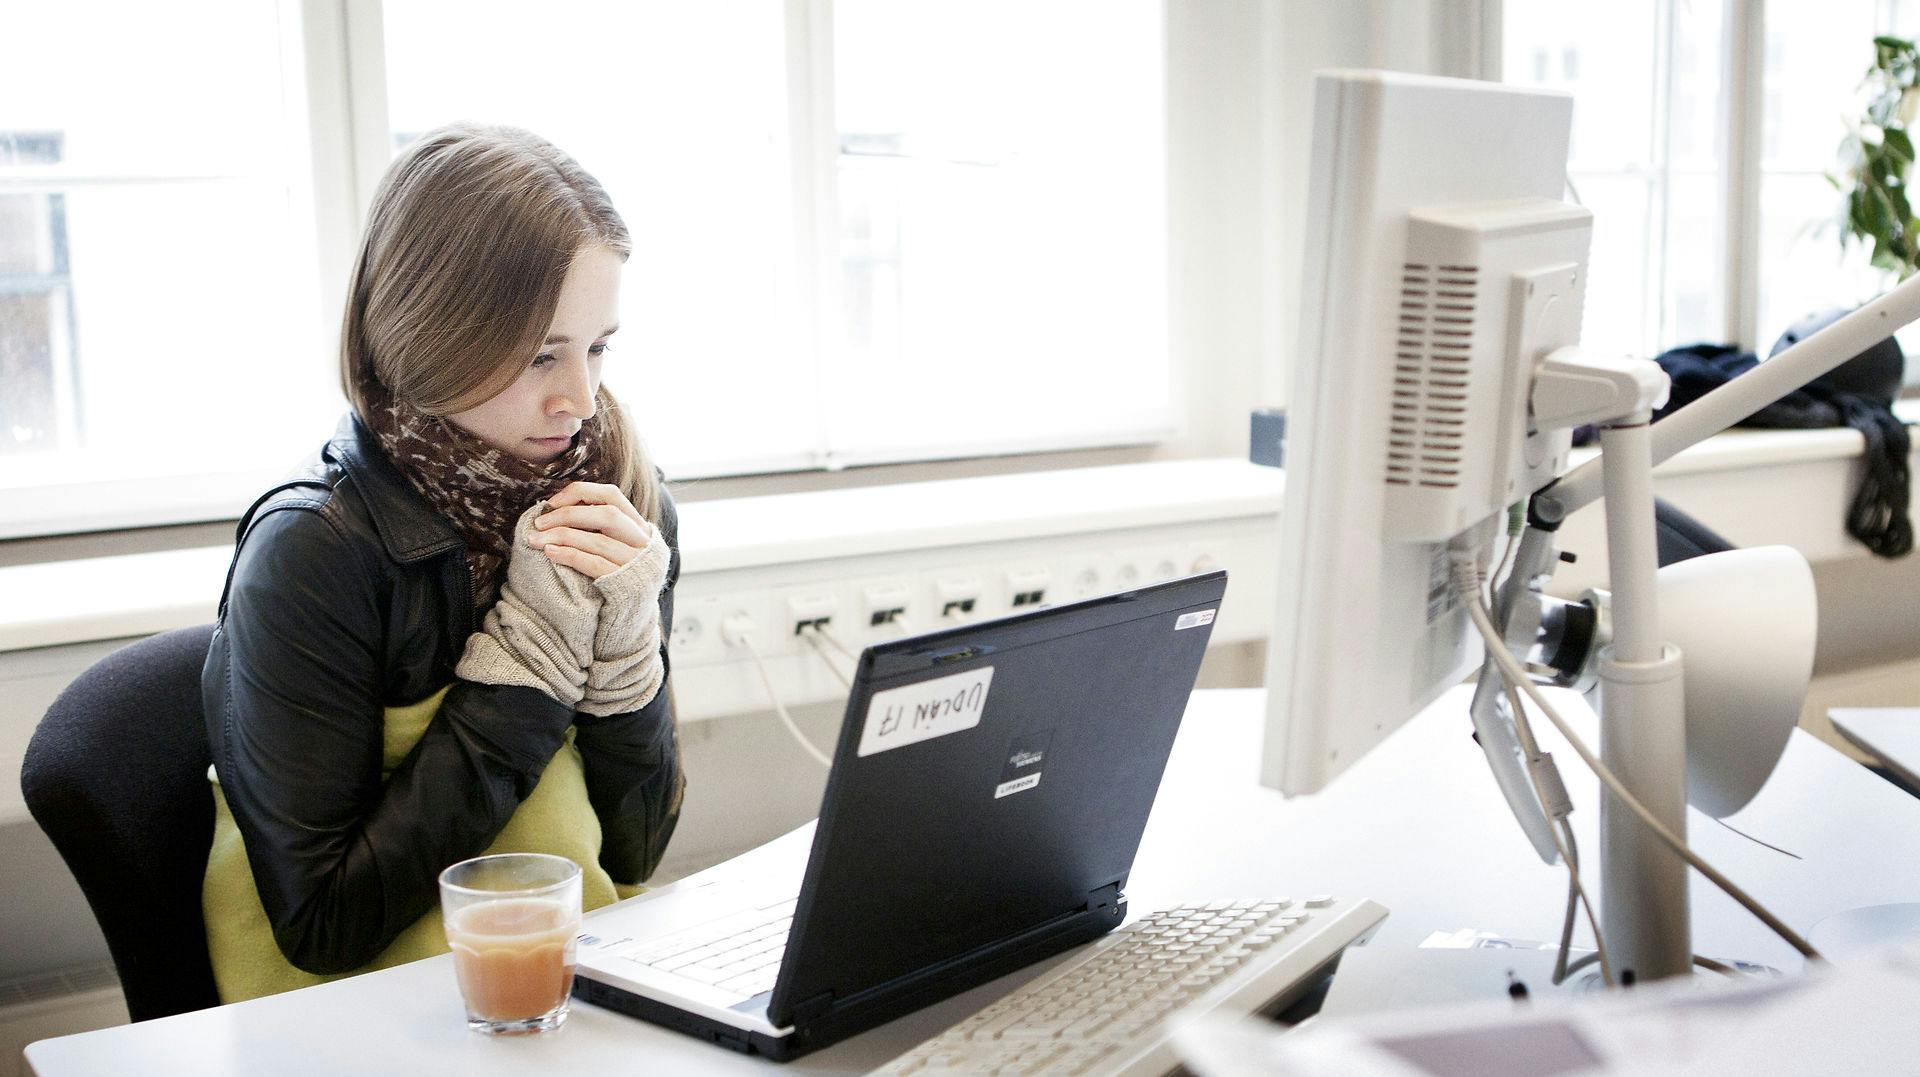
x=988, y=793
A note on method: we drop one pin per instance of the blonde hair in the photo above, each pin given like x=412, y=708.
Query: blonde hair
x=470, y=236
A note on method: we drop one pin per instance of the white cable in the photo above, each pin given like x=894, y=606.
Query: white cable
x=1467, y=583
x=1563, y=841
x=1510, y=667
x=1582, y=962
x=780, y=708
x=1563, y=833
x=811, y=634
x=837, y=645
x=1586, y=903
x=1567, y=921
x=1506, y=558
x=1707, y=963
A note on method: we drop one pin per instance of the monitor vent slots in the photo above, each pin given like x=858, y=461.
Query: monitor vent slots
x=1426, y=434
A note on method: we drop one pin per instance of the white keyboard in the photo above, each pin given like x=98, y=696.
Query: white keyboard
x=739, y=953
x=1106, y=1012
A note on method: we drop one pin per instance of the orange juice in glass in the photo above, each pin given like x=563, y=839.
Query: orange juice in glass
x=511, y=920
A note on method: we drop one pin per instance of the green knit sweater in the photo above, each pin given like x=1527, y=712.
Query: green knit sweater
x=555, y=818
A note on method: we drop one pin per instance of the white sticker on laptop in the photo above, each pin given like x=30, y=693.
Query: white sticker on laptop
x=907, y=715
x=1194, y=620
x=1018, y=785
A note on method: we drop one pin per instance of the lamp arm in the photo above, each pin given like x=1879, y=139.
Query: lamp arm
x=1755, y=389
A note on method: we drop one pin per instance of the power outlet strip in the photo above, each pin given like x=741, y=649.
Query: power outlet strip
x=872, y=598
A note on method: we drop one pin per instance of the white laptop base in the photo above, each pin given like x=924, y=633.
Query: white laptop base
x=712, y=950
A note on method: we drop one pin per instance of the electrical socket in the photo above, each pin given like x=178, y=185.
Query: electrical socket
x=1027, y=587
x=689, y=632
x=886, y=603
x=696, y=631
x=956, y=596
x=736, y=629
x=1086, y=582
x=816, y=608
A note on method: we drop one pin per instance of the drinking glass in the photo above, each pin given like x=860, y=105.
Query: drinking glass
x=511, y=920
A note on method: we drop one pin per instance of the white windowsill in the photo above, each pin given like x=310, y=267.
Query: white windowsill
x=96, y=503
x=139, y=594
x=134, y=595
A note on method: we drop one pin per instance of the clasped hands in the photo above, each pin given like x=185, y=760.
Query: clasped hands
x=578, y=614
x=592, y=528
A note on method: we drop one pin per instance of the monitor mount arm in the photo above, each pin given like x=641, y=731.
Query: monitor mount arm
x=1642, y=710
x=1570, y=388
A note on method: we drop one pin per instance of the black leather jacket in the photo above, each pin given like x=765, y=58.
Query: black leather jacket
x=349, y=594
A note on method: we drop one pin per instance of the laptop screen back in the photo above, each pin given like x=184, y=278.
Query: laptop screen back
x=988, y=780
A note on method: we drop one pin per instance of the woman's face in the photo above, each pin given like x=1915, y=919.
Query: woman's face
x=537, y=416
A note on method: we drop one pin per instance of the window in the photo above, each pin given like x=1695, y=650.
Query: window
x=37, y=414
x=1644, y=75
x=686, y=123
x=1815, y=57
x=959, y=250
x=1658, y=97
x=1002, y=242
x=156, y=310
x=864, y=232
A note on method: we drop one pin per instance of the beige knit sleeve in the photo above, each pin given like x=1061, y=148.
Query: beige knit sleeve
x=626, y=670
x=540, y=632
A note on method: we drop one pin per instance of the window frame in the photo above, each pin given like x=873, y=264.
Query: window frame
x=335, y=52
x=1739, y=132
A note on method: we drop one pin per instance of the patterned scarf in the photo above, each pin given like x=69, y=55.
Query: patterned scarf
x=479, y=489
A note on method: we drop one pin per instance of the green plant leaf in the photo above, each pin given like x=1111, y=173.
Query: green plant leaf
x=1898, y=144
x=1880, y=218
x=1883, y=254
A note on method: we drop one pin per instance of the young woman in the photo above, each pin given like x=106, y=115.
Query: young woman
x=447, y=635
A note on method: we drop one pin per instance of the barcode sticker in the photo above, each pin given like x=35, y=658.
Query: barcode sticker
x=1194, y=620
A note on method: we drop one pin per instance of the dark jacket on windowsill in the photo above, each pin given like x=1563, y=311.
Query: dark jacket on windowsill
x=356, y=766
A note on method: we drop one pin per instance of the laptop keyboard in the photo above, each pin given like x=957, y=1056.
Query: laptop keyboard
x=1106, y=1012
x=739, y=953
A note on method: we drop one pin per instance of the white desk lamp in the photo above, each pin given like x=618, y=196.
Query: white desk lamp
x=1744, y=621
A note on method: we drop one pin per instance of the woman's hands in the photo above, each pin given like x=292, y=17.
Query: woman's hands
x=579, y=618
x=592, y=528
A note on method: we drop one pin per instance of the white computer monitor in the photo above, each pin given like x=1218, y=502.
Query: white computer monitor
x=1441, y=266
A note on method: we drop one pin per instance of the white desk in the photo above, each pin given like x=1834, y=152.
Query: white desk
x=1418, y=826
x=1889, y=734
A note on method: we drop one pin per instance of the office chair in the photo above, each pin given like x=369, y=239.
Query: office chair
x=116, y=775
